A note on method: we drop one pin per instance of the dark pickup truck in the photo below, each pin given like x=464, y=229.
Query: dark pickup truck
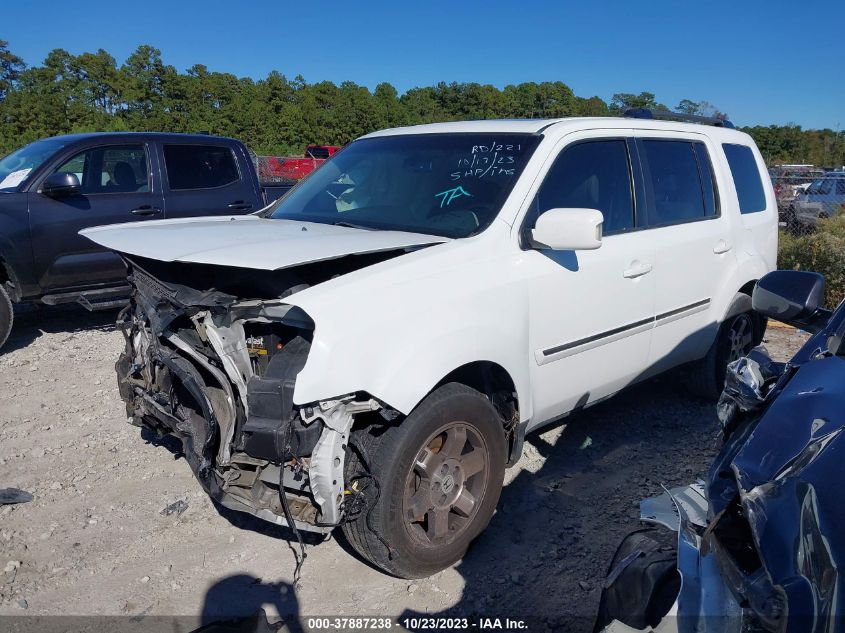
x=53, y=188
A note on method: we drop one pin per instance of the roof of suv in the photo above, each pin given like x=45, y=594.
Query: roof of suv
x=533, y=126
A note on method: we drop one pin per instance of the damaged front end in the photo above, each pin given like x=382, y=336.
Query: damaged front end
x=219, y=372
x=758, y=546
x=774, y=497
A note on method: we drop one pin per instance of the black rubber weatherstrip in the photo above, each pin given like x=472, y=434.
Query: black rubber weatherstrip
x=691, y=306
x=595, y=337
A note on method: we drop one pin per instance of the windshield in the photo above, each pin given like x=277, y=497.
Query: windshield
x=16, y=167
x=451, y=185
x=820, y=186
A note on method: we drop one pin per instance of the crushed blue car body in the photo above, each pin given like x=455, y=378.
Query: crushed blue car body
x=760, y=542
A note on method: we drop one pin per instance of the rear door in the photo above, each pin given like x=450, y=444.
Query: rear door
x=205, y=179
x=694, y=252
x=116, y=186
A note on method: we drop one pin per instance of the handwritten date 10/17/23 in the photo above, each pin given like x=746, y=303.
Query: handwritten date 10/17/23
x=496, y=159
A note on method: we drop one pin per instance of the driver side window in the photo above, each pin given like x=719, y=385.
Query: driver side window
x=590, y=175
x=111, y=169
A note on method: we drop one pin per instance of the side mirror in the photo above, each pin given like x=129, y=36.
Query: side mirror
x=568, y=230
x=788, y=295
x=60, y=185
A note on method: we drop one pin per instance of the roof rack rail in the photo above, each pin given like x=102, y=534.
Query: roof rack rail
x=665, y=115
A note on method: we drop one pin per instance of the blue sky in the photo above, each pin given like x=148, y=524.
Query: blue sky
x=761, y=62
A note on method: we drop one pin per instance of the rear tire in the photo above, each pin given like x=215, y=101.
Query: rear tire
x=737, y=335
x=440, y=474
x=7, y=315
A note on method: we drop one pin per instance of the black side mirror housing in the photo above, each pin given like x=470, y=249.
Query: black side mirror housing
x=60, y=185
x=790, y=296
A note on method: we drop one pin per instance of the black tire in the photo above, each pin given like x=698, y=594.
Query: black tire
x=424, y=461
x=7, y=315
x=736, y=336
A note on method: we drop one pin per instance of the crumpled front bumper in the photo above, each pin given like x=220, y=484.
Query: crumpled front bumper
x=200, y=434
x=704, y=603
x=187, y=371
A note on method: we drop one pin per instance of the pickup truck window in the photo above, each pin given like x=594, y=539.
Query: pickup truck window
x=110, y=169
x=452, y=185
x=673, y=183
x=199, y=166
x=590, y=175
x=16, y=167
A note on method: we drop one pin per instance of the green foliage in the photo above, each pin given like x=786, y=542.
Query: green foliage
x=822, y=251
x=789, y=144
x=621, y=101
x=276, y=115
x=11, y=66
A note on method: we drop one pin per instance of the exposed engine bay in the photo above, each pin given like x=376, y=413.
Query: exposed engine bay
x=218, y=372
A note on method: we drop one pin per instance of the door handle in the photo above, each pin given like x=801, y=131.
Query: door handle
x=240, y=205
x=637, y=269
x=146, y=210
x=722, y=246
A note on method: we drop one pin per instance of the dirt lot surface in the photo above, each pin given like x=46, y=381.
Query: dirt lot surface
x=95, y=540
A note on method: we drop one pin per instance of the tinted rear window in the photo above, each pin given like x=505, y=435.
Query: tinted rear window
x=199, y=166
x=708, y=187
x=749, y=188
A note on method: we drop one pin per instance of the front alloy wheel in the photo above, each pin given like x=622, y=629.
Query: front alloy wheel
x=439, y=476
x=448, y=477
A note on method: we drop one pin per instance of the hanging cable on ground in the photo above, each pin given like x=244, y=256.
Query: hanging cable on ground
x=301, y=555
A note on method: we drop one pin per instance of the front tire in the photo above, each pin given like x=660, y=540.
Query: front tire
x=7, y=315
x=440, y=475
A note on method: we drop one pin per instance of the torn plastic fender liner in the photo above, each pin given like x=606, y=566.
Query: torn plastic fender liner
x=198, y=432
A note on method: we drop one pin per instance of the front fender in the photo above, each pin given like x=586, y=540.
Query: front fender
x=401, y=370
x=398, y=344
x=15, y=244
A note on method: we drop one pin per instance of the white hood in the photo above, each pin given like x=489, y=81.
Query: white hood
x=248, y=241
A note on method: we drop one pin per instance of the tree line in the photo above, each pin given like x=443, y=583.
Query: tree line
x=276, y=115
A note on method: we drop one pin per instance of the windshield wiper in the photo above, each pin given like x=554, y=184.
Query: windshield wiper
x=352, y=226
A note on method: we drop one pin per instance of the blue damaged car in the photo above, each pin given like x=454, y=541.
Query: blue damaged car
x=757, y=546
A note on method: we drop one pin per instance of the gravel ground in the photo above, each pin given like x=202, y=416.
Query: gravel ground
x=95, y=540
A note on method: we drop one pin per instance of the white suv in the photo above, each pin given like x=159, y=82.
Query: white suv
x=370, y=351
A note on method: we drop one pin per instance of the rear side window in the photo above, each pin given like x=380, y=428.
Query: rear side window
x=675, y=189
x=590, y=175
x=199, y=166
x=749, y=188
x=708, y=187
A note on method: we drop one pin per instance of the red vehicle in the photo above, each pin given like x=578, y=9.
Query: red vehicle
x=293, y=168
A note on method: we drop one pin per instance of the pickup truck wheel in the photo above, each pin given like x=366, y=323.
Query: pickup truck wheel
x=7, y=315
x=440, y=474
x=736, y=337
